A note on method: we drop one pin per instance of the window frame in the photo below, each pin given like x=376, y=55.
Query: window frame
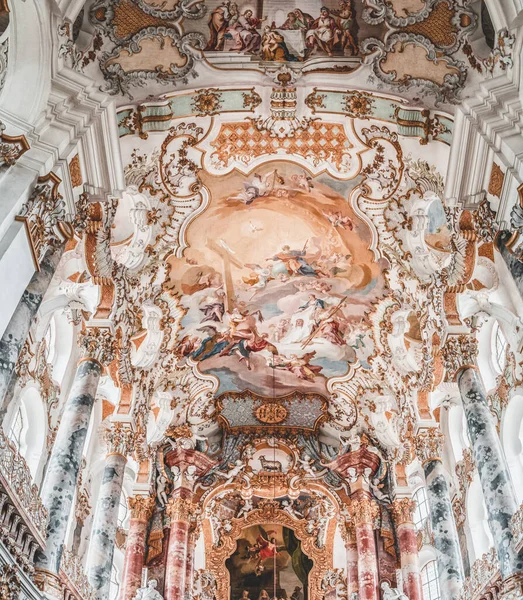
x=430, y=580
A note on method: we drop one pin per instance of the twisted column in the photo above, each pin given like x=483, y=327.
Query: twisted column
x=402, y=512
x=180, y=511
x=429, y=446
x=141, y=511
x=101, y=548
x=364, y=512
x=62, y=474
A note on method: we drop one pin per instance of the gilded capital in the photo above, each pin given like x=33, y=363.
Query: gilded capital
x=363, y=511
x=429, y=444
x=403, y=511
x=98, y=344
x=120, y=439
x=180, y=509
x=141, y=507
x=459, y=351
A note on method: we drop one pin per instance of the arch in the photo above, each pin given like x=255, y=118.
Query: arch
x=28, y=78
x=34, y=430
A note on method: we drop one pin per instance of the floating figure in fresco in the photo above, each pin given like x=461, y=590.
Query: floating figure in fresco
x=323, y=33
x=259, y=186
x=296, y=262
x=338, y=220
x=267, y=547
x=389, y=593
x=213, y=306
x=345, y=20
x=299, y=365
x=219, y=20
x=213, y=344
x=274, y=48
x=302, y=181
x=258, y=278
x=319, y=306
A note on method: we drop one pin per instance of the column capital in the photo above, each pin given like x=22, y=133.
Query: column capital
x=403, y=511
x=429, y=444
x=458, y=352
x=142, y=507
x=180, y=509
x=363, y=511
x=120, y=438
x=97, y=344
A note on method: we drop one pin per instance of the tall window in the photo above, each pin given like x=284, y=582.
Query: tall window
x=421, y=511
x=17, y=426
x=500, y=348
x=123, y=510
x=430, y=582
x=114, y=587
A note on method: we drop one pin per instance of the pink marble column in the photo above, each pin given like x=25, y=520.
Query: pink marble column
x=364, y=512
x=352, y=559
x=402, y=511
x=179, y=510
x=141, y=511
x=189, y=565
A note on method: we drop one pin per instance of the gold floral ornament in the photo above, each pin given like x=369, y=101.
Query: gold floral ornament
x=141, y=507
x=459, y=351
x=11, y=147
x=429, y=444
x=207, y=102
x=363, y=511
x=358, y=104
x=403, y=511
x=120, y=439
x=251, y=99
x=98, y=344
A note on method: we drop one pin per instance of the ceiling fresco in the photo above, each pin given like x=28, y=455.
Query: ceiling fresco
x=426, y=48
x=276, y=282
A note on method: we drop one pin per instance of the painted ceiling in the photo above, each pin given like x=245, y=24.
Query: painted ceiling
x=282, y=255
x=426, y=49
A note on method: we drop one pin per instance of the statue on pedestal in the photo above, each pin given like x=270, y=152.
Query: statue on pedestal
x=389, y=593
x=148, y=592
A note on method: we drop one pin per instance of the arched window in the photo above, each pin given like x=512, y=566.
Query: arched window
x=500, y=348
x=17, y=427
x=114, y=587
x=123, y=511
x=430, y=581
x=421, y=512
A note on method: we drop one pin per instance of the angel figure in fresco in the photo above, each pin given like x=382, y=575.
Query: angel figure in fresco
x=259, y=186
x=213, y=306
x=258, y=278
x=339, y=220
x=323, y=32
x=298, y=365
x=296, y=262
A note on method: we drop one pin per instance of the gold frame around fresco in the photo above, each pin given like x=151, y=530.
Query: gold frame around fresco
x=268, y=513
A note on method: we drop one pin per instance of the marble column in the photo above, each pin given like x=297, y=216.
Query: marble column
x=402, y=511
x=141, y=511
x=498, y=492
x=17, y=330
x=62, y=474
x=352, y=559
x=364, y=513
x=429, y=447
x=119, y=440
x=189, y=570
x=179, y=511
